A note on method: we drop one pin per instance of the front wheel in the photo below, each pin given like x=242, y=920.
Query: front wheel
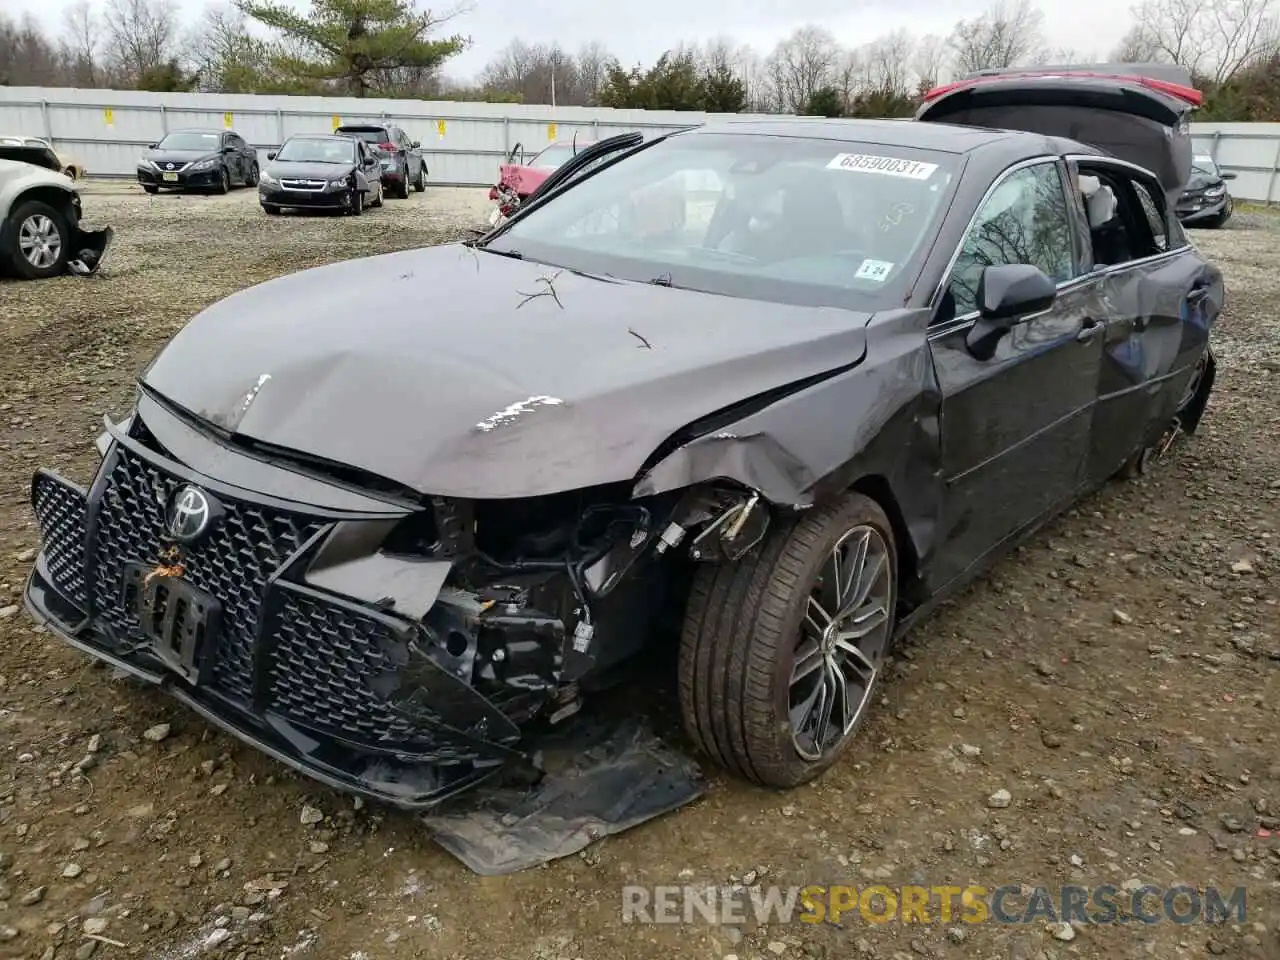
x=224, y=181
x=782, y=652
x=377, y=199
x=253, y=176
x=37, y=241
x=356, y=207
x=420, y=181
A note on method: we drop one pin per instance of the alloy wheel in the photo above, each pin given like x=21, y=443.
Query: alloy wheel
x=39, y=241
x=844, y=638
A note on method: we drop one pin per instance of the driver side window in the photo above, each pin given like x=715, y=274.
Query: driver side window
x=1025, y=220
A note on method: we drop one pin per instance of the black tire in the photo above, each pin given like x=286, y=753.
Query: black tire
x=28, y=221
x=271, y=209
x=224, y=181
x=738, y=647
x=357, y=202
x=420, y=181
x=253, y=176
x=402, y=188
x=150, y=188
x=378, y=202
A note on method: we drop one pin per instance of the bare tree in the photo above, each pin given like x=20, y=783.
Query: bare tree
x=80, y=43
x=1004, y=35
x=593, y=62
x=141, y=35
x=801, y=64
x=889, y=63
x=27, y=58
x=1172, y=30
x=1138, y=46
x=928, y=64
x=1215, y=39
x=1242, y=32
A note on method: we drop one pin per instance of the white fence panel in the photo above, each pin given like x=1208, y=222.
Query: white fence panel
x=464, y=142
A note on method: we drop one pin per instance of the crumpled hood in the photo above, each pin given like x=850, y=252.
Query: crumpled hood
x=458, y=372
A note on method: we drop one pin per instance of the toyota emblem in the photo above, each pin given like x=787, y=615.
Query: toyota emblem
x=189, y=514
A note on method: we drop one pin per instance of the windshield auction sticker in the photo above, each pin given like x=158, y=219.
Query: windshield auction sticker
x=877, y=270
x=888, y=166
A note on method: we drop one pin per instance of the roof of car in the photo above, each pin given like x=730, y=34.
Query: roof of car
x=942, y=137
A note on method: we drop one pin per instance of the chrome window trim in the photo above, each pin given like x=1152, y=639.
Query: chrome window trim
x=1133, y=168
x=967, y=319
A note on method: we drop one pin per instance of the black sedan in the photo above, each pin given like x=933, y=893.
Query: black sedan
x=1205, y=200
x=313, y=171
x=781, y=386
x=198, y=160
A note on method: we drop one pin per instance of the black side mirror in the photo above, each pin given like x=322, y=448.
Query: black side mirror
x=415, y=144
x=228, y=149
x=1228, y=175
x=271, y=154
x=153, y=146
x=1007, y=292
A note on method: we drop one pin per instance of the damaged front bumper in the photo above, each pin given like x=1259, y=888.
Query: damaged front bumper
x=342, y=691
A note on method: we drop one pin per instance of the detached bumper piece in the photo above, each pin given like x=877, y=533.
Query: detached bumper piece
x=340, y=691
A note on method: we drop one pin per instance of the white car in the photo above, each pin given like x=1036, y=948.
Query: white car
x=69, y=165
x=40, y=234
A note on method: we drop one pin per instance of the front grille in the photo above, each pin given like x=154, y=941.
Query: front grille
x=232, y=562
x=60, y=511
x=326, y=664
x=302, y=184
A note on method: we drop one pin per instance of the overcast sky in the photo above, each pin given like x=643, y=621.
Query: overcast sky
x=1089, y=26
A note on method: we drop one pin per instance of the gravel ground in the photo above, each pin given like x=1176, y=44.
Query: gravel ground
x=1117, y=677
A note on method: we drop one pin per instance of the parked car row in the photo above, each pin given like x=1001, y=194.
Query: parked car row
x=353, y=168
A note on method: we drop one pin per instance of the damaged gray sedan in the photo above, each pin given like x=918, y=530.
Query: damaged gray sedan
x=778, y=386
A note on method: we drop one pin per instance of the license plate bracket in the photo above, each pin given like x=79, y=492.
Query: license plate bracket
x=180, y=621
x=170, y=177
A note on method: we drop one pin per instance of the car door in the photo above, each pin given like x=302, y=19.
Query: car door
x=1159, y=299
x=413, y=150
x=231, y=156
x=1014, y=426
x=370, y=169
x=249, y=155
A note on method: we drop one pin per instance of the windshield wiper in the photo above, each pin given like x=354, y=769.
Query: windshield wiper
x=510, y=254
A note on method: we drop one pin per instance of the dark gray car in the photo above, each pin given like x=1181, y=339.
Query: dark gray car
x=403, y=163
x=771, y=389
x=321, y=172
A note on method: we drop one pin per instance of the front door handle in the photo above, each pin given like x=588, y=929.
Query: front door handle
x=1090, y=330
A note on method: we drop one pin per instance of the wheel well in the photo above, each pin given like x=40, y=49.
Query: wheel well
x=55, y=197
x=877, y=488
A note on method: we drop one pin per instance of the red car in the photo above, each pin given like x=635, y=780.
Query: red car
x=517, y=180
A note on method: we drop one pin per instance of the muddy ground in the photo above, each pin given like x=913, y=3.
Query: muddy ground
x=1118, y=677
